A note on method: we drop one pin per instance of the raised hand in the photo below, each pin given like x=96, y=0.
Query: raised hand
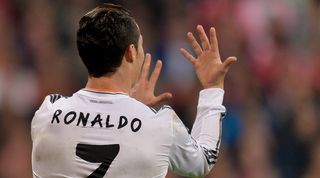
x=208, y=65
x=143, y=90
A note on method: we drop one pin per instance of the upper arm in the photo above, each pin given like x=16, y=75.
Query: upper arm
x=186, y=156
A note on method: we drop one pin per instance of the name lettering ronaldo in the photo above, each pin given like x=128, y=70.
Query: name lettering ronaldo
x=83, y=119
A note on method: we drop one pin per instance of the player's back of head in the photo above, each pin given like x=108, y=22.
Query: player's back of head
x=103, y=36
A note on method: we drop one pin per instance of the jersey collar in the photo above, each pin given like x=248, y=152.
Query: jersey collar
x=101, y=93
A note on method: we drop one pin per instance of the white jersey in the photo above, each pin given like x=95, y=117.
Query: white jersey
x=102, y=135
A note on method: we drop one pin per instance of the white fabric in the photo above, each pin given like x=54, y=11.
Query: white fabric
x=149, y=143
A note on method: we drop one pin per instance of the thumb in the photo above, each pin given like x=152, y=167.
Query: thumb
x=228, y=62
x=163, y=97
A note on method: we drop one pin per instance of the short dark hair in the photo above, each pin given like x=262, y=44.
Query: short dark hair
x=103, y=36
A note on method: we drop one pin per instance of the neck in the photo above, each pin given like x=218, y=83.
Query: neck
x=113, y=83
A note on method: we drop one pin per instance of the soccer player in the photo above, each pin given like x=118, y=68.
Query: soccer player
x=107, y=129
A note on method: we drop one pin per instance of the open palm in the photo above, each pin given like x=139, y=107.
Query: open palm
x=208, y=65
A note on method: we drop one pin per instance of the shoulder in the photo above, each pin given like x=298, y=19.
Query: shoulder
x=166, y=107
x=176, y=123
x=141, y=107
x=55, y=97
x=166, y=112
x=49, y=101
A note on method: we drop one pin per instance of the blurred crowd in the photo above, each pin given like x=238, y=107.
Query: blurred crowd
x=272, y=93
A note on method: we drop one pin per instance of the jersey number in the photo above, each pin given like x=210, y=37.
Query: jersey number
x=104, y=154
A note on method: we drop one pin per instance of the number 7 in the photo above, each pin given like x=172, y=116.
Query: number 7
x=104, y=154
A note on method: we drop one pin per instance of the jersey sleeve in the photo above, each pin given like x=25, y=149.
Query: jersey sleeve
x=194, y=155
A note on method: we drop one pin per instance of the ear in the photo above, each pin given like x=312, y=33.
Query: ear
x=130, y=54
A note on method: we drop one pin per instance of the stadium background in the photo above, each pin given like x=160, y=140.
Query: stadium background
x=272, y=93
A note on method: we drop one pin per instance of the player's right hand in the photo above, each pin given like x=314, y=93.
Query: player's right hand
x=208, y=65
x=143, y=90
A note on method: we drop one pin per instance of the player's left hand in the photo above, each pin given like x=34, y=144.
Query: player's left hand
x=143, y=90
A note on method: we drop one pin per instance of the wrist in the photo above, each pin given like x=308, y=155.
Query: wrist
x=217, y=85
x=211, y=97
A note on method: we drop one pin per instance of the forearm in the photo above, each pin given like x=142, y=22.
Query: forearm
x=194, y=155
x=207, y=126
